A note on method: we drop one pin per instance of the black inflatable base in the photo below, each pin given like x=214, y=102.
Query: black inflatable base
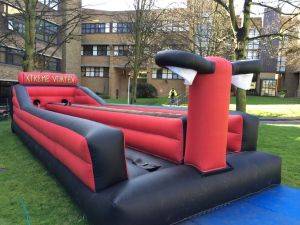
x=165, y=196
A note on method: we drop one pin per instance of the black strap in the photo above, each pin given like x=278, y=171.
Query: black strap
x=144, y=165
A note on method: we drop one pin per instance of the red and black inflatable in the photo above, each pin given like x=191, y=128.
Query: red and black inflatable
x=132, y=165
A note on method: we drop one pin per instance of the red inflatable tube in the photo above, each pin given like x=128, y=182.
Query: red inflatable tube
x=65, y=145
x=56, y=94
x=235, y=124
x=57, y=79
x=207, y=125
x=159, y=136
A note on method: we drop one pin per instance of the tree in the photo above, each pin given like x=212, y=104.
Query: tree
x=206, y=30
x=144, y=24
x=24, y=19
x=241, y=31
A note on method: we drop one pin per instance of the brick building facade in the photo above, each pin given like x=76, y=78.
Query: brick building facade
x=97, y=53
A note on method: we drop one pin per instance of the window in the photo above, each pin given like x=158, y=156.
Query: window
x=87, y=50
x=103, y=50
x=94, y=28
x=174, y=26
x=13, y=56
x=47, y=63
x=253, y=32
x=252, y=54
x=2, y=55
x=203, y=36
x=121, y=27
x=281, y=62
x=50, y=3
x=121, y=50
x=47, y=31
x=87, y=71
x=16, y=25
x=9, y=10
x=268, y=87
x=95, y=50
x=165, y=74
x=54, y=64
x=253, y=45
x=174, y=46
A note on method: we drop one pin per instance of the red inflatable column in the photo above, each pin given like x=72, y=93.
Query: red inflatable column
x=207, y=126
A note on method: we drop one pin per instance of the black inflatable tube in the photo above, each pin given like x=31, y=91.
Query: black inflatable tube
x=189, y=60
x=184, y=59
x=165, y=197
x=246, y=66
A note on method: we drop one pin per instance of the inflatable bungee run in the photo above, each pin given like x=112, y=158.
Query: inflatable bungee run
x=133, y=165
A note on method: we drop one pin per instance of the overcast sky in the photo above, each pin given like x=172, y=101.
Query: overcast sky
x=116, y=5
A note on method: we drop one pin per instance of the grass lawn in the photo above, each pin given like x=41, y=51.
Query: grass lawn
x=260, y=106
x=271, y=106
x=47, y=202
x=273, y=110
x=25, y=177
x=284, y=141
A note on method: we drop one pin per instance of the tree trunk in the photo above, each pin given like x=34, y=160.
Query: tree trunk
x=136, y=69
x=241, y=97
x=134, y=85
x=136, y=65
x=137, y=52
x=240, y=53
x=30, y=34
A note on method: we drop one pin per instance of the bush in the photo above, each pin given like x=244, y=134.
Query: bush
x=104, y=96
x=145, y=90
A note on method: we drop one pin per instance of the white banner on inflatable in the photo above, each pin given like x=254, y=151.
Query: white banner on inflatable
x=188, y=74
x=242, y=81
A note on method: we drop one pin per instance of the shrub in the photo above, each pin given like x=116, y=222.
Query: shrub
x=145, y=90
x=105, y=96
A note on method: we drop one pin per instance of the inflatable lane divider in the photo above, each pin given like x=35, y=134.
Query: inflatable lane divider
x=118, y=110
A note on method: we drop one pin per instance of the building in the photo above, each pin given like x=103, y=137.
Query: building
x=289, y=62
x=280, y=69
x=51, y=55
x=98, y=51
x=105, y=61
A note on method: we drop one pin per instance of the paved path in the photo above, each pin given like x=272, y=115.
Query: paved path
x=280, y=120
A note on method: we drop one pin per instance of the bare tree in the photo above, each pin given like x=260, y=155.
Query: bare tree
x=205, y=29
x=241, y=30
x=144, y=24
x=24, y=20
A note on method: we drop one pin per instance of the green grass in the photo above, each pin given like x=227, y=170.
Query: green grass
x=273, y=110
x=25, y=177
x=48, y=203
x=259, y=100
x=283, y=141
x=271, y=106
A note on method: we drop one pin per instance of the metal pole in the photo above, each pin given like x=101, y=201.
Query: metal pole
x=128, y=98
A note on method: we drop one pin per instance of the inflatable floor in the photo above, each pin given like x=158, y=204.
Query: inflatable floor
x=275, y=206
x=132, y=165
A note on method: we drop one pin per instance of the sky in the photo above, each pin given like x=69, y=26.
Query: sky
x=116, y=5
